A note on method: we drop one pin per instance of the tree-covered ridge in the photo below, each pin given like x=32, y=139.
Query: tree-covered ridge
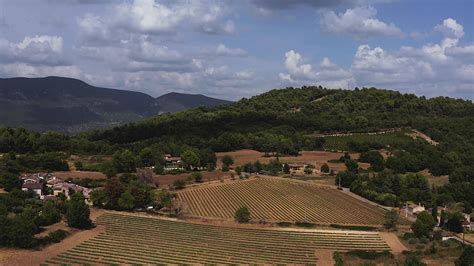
x=293, y=112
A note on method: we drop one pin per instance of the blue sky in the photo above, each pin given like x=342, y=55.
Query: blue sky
x=233, y=49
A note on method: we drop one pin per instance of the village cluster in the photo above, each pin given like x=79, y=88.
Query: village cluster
x=411, y=211
x=49, y=187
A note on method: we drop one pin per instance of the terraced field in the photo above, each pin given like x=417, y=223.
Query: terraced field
x=342, y=143
x=279, y=200
x=142, y=240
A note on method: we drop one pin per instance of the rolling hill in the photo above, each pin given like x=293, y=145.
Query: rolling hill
x=71, y=105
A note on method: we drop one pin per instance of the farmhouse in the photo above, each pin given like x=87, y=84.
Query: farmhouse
x=173, y=163
x=36, y=187
x=36, y=177
x=413, y=209
x=297, y=168
x=67, y=188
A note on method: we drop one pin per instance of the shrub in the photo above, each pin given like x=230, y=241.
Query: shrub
x=338, y=259
x=413, y=241
x=424, y=224
x=353, y=227
x=57, y=236
x=305, y=224
x=369, y=255
x=242, y=215
x=467, y=257
x=424, y=240
x=179, y=184
x=197, y=176
x=325, y=168
x=284, y=224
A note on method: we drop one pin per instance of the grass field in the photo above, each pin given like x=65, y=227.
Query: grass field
x=341, y=143
x=142, y=240
x=275, y=199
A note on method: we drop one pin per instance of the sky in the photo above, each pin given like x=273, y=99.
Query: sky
x=239, y=48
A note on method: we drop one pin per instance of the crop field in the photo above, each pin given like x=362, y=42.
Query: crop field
x=277, y=200
x=341, y=143
x=143, y=240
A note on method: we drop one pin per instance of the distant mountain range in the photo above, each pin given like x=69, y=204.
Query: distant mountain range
x=71, y=105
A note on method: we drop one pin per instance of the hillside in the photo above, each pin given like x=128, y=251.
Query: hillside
x=71, y=105
x=293, y=113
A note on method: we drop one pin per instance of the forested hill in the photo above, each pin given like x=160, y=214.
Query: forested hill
x=293, y=112
x=71, y=105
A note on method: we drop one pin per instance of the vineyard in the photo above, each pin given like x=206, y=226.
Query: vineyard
x=343, y=142
x=142, y=240
x=274, y=199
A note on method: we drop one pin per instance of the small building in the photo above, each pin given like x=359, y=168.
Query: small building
x=415, y=209
x=467, y=222
x=35, y=187
x=173, y=163
x=67, y=188
x=297, y=168
x=48, y=197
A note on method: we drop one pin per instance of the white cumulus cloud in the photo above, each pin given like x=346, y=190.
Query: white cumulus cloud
x=451, y=29
x=359, y=23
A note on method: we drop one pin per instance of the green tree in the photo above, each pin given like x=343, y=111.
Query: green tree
x=78, y=213
x=48, y=214
x=179, y=184
x=467, y=257
x=108, y=170
x=99, y=198
x=286, y=168
x=242, y=215
x=423, y=225
x=79, y=165
x=238, y=170
x=9, y=181
x=391, y=219
x=159, y=169
x=227, y=161
x=351, y=166
x=325, y=168
x=113, y=189
x=197, y=177
x=454, y=223
x=190, y=159
x=22, y=230
x=376, y=160
x=147, y=157
x=126, y=201
x=125, y=161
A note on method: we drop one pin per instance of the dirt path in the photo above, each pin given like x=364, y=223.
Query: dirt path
x=35, y=257
x=393, y=242
x=422, y=135
x=324, y=257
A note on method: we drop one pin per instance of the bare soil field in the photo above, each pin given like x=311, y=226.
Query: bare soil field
x=167, y=180
x=279, y=200
x=317, y=158
x=80, y=174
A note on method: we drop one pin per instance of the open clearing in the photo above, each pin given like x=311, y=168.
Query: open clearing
x=341, y=142
x=141, y=240
x=277, y=200
x=167, y=180
x=80, y=174
x=317, y=158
